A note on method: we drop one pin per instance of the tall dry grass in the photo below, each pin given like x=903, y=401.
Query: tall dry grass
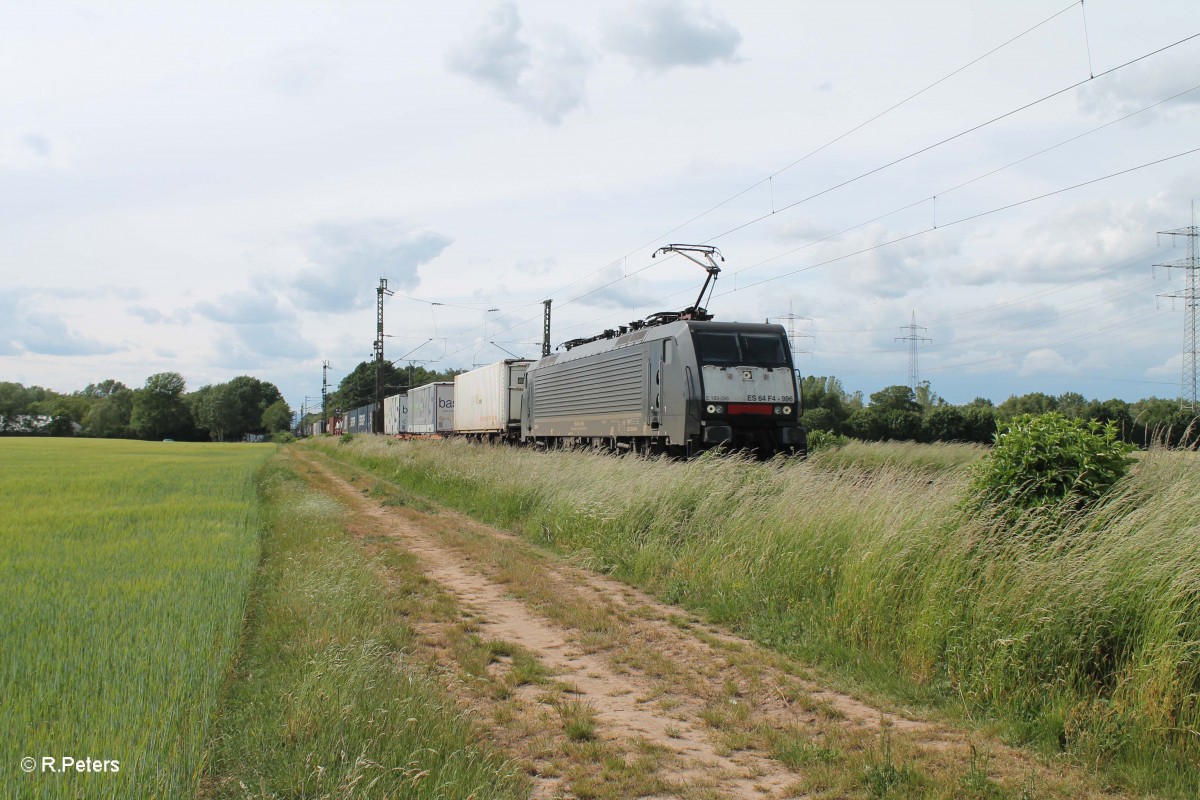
x=1079, y=632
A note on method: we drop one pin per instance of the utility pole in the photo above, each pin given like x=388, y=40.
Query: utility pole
x=324, y=394
x=1189, y=385
x=546, y=328
x=913, y=338
x=790, y=318
x=377, y=417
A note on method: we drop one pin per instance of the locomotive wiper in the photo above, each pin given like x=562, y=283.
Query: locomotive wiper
x=709, y=264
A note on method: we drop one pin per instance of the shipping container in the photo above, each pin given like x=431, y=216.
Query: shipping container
x=488, y=399
x=431, y=408
x=360, y=420
x=395, y=414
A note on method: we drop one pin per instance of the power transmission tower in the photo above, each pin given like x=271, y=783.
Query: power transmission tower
x=546, y=329
x=1189, y=385
x=913, y=338
x=377, y=417
x=790, y=318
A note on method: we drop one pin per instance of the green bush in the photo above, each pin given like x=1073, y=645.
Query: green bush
x=282, y=437
x=346, y=438
x=819, y=440
x=1049, y=458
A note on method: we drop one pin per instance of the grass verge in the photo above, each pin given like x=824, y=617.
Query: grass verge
x=1083, y=640
x=324, y=700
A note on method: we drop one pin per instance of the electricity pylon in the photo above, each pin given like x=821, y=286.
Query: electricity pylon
x=1189, y=384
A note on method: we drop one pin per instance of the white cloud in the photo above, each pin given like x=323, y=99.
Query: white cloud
x=547, y=78
x=607, y=289
x=153, y=316
x=1046, y=361
x=1144, y=84
x=26, y=326
x=886, y=271
x=805, y=229
x=346, y=261
x=657, y=35
x=301, y=69
x=259, y=344
x=1071, y=245
x=247, y=307
x=29, y=151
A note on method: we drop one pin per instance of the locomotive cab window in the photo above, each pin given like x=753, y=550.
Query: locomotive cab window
x=763, y=349
x=741, y=349
x=718, y=348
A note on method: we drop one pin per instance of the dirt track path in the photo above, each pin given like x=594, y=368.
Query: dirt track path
x=669, y=706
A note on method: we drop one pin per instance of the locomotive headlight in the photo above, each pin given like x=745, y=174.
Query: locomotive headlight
x=711, y=409
x=778, y=410
x=787, y=409
x=720, y=408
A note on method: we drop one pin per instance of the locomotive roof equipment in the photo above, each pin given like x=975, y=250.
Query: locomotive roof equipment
x=692, y=252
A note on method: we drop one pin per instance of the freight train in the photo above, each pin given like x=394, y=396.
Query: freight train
x=678, y=387
x=675, y=383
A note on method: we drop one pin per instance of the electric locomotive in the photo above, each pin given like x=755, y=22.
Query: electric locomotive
x=677, y=383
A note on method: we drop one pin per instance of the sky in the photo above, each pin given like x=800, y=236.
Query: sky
x=216, y=188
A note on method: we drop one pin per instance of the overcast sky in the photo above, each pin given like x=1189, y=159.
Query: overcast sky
x=216, y=188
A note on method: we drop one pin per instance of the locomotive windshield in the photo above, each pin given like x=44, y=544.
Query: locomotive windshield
x=732, y=349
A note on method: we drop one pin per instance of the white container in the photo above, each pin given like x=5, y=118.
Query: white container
x=431, y=408
x=488, y=399
x=395, y=414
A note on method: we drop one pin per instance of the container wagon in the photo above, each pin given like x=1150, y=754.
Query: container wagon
x=360, y=419
x=487, y=400
x=395, y=414
x=431, y=408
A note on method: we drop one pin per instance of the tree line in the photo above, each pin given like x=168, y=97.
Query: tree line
x=161, y=409
x=899, y=413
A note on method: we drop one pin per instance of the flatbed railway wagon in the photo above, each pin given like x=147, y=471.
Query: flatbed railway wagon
x=487, y=401
x=680, y=388
x=431, y=408
x=395, y=414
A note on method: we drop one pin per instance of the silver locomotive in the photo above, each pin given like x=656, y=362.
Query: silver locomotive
x=676, y=383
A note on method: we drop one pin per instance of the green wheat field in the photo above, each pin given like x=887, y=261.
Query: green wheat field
x=124, y=573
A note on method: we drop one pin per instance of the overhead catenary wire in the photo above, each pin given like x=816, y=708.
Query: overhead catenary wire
x=977, y=178
x=628, y=274
x=949, y=139
x=966, y=219
x=931, y=229
x=811, y=153
x=855, y=129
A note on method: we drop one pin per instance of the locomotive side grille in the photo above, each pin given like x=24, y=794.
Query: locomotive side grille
x=614, y=383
